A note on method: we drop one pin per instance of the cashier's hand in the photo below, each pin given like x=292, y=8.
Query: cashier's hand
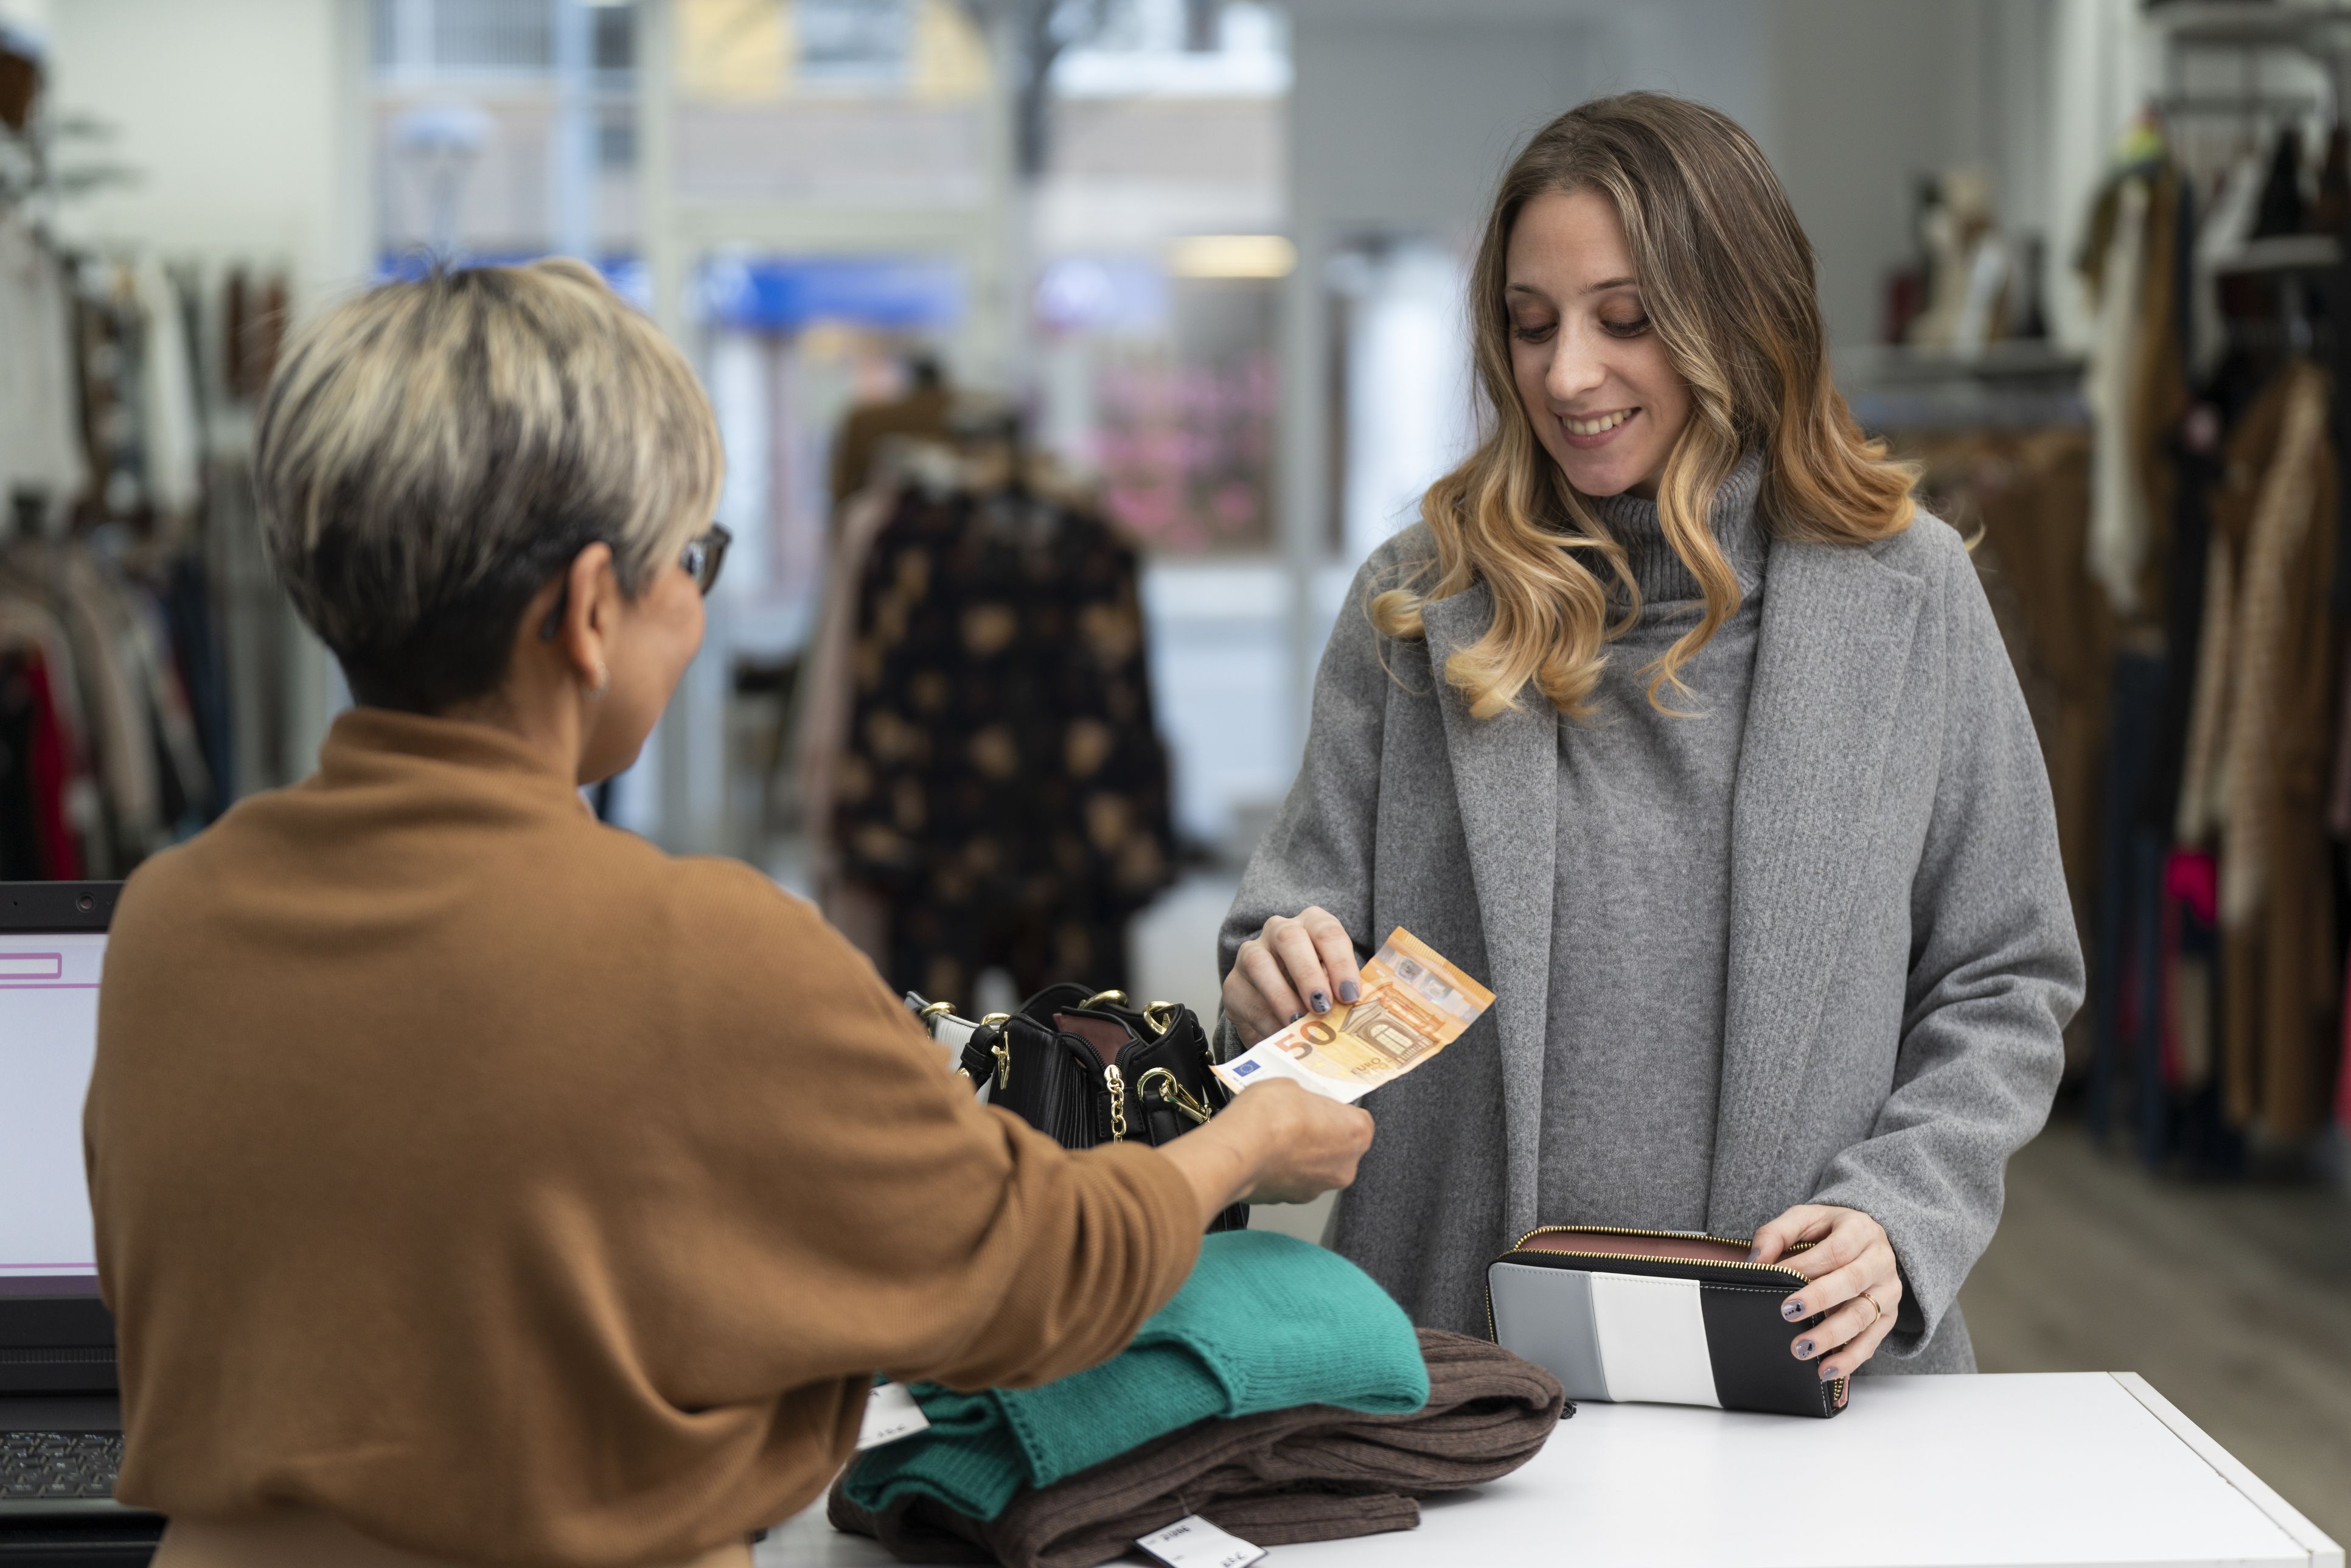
x=1849, y=1255
x=1276, y=1142
x=1291, y=968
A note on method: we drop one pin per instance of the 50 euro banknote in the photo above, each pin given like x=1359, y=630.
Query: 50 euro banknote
x=1414, y=1005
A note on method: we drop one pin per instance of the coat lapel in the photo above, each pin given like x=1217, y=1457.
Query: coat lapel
x=1830, y=660
x=1506, y=774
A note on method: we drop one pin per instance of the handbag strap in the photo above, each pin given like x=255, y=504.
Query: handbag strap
x=982, y=1053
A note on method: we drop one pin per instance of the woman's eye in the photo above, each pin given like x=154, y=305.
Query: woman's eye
x=1534, y=334
x=1633, y=328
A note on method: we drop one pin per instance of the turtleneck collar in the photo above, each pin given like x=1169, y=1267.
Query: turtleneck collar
x=365, y=744
x=1663, y=578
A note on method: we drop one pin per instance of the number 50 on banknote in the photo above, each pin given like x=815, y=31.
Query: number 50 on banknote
x=1414, y=1005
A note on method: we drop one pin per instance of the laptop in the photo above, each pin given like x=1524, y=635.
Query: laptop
x=60, y=1424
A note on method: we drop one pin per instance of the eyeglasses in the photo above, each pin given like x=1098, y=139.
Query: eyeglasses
x=704, y=555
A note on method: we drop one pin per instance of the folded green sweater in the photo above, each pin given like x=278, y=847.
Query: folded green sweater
x=1264, y=1323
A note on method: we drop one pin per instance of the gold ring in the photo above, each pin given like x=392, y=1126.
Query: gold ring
x=1873, y=1307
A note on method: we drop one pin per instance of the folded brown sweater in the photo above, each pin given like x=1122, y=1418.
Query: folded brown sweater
x=1313, y=1473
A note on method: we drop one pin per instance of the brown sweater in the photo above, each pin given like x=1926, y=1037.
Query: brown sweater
x=519, y=1193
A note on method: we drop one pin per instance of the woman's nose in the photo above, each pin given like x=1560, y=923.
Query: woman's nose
x=1574, y=372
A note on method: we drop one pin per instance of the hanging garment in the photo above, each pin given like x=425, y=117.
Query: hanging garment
x=24, y=853
x=2227, y=226
x=191, y=622
x=2191, y=886
x=2330, y=210
x=923, y=414
x=30, y=628
x=40, y=436
x=2281, y=210
x=822, y=701
x=2343, y=1068
x=2118, y=497
x=2260, y=743
x=167, y=394
x=50, y=770
x=1003, y=786
x=2286, y=526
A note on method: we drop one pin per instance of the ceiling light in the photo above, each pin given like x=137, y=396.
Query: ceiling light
x=1233, y=255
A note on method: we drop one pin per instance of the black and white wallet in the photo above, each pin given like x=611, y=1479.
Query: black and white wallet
x=1661, y=1317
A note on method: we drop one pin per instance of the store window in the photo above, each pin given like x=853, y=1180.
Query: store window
x=504, y=128
x=1157, y=222
x=862, y=103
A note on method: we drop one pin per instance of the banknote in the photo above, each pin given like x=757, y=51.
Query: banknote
x=1414, y=1005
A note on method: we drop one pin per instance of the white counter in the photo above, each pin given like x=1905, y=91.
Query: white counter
x=2043, y=1469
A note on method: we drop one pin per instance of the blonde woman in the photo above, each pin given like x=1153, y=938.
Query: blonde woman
x=478, y=1184
x=1676, y=722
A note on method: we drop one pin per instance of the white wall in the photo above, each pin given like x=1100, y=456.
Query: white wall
x=243, y=118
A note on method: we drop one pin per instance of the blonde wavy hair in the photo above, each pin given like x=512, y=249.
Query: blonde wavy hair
x=1726, y=276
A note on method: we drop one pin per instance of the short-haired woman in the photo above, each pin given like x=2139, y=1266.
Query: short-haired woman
x=1676, y=722
x=476, y=1183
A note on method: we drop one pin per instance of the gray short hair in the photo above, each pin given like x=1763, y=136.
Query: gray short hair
x=431, y=453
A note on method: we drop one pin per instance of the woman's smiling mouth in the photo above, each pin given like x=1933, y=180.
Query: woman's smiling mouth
x=1595, y=429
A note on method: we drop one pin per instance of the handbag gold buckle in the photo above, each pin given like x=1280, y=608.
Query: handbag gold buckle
x=1100, y=996
x=1174, y=1093
x=1160, y=1016
x=999, y=1049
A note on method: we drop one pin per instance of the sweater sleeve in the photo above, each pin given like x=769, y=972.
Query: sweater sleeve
x=1995, y=974
x=844, y=1206
x=1318, y=852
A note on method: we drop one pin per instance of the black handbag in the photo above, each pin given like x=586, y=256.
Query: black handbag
x=1670, y=1317
x=1085, y=1068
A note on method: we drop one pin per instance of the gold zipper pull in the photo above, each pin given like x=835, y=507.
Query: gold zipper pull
x=1117, y=1082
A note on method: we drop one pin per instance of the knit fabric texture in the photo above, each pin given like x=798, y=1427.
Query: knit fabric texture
x=1641, y=920
x=1289, y=1476
x=1266, y=1322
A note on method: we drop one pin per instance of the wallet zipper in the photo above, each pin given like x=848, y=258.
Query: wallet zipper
x=1836, y=1386
x=1663, y=1236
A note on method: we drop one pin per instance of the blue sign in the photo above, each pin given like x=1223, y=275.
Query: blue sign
x=777, y=293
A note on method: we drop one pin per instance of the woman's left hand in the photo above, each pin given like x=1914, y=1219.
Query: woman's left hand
x=1854, y=1279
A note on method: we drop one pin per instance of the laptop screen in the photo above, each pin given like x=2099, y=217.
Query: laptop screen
x=48, y=1040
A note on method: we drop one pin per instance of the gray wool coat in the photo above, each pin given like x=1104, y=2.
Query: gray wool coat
x=1902, y=953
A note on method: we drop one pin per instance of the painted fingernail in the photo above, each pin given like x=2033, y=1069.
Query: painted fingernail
x=1830, y=1374
x=1349, y=991
x=1791, y=1311
x=1319, y=1002
x=1753, y=1253
x=1295, y=1017
x=1805, y=1349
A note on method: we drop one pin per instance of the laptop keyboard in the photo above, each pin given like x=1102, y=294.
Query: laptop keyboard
x=59, y=1467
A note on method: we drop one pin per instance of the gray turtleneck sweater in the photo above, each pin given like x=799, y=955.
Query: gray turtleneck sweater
x=1640, y=919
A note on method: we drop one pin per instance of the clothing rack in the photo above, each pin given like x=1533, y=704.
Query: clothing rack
x=2213, y=918
x=127, y=539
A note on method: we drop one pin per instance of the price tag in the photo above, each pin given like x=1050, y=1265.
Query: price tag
x=1194, y=1543
x=891, y=1413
